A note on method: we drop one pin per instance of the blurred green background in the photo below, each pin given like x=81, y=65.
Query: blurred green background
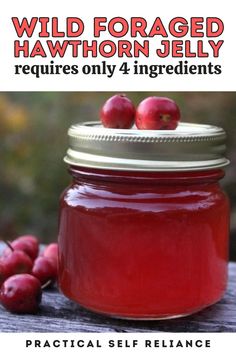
x=33, y=141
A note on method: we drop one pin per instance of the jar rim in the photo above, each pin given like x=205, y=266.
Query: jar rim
x=189, y=147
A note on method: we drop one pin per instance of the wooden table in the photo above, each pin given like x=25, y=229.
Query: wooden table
x=58, y=314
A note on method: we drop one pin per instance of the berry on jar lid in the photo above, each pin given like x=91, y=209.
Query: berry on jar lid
x=118, y=112
x=157, y=113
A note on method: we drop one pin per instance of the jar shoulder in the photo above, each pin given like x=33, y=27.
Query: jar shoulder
x=130, y=196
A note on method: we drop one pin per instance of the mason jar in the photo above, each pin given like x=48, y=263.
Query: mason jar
x=144, y=224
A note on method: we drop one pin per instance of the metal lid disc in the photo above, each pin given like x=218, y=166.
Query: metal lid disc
x=189, y=147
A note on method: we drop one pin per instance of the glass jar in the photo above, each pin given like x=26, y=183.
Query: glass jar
x=143, y=228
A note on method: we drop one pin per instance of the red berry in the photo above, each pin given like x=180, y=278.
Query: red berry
x=17, y=262
x=21, y=293
x=157, y=113
x=30, y=248
x=118, y=112
x=44, y=269
x=3, y=272
x=51, y=251
x=29, y=238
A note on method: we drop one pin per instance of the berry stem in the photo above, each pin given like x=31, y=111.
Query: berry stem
x=9, y=245
x=45, y=285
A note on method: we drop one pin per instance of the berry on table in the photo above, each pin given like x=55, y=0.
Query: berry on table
x=21, y=293
x=3, y=272
x=51, y=251
x=16, y=262
x=30, y=248
x=29, y=238
x=44, y=269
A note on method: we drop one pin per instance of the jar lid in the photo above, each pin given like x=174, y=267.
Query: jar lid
x=189, y=147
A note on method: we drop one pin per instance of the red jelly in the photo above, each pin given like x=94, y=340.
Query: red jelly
x=144, y=242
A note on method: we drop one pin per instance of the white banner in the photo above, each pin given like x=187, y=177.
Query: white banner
x=127, y=46
x=106, y=343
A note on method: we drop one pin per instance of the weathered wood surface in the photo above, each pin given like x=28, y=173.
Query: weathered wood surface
x=58, y=314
